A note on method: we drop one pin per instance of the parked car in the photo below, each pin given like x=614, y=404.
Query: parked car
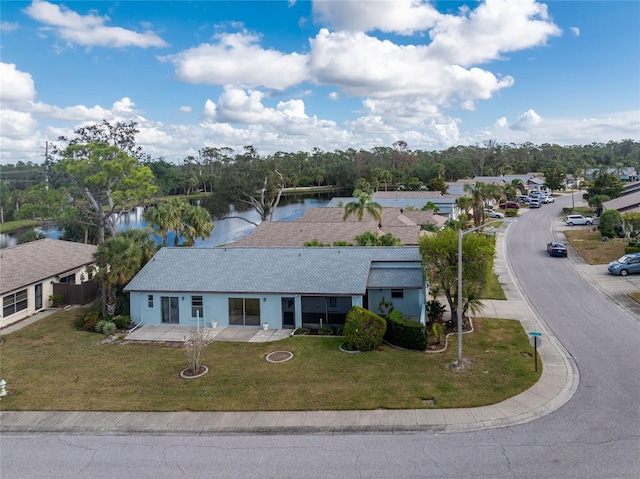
x=512, y=205
x=555, y=248
x=493, y=214
x=579, y=220
x=534, y=203
x=523, y=199
x=547, y=199
x=629, y=263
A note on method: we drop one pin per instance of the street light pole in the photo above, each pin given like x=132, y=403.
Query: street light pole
x=461, y=233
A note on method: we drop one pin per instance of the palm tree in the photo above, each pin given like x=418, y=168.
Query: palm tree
x=365, y=202
x=118, y=260
x=477, y=201
x=142, y=238
x=197, y=224
x=166, y=217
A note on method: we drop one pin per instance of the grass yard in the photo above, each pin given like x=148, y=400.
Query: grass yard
x=50, y=366
x=593, y=250
x=493, y=289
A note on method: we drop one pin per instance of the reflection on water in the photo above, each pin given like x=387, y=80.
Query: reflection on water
x=225, y=231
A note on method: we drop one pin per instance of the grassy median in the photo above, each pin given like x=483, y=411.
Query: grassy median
x=50, y=366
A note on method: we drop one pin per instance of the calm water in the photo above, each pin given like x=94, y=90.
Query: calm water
x=225, y=231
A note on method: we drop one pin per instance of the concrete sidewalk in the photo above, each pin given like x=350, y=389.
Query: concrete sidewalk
x=556, y=386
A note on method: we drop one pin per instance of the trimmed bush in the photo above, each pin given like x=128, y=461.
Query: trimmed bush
x=405, y=334
x=301, y=332
x=325, y=331
x=511, y=213
x=611, y=224
x=363, y=330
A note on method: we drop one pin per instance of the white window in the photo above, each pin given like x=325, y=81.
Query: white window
x=197, y=308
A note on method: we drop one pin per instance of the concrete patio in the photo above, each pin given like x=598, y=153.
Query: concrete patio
x=174, y=333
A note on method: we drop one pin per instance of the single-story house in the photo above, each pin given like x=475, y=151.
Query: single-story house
x=29, y=271
x=627, y=173
x=624, y=204
x=327, y=225
x=407, y=200
x=283, y=287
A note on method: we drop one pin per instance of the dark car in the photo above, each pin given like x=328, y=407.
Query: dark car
x=512, y=205
x=557, y=249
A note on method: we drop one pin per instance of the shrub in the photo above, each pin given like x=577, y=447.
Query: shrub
x=511, y=213
x=363, y=330
x=567, y=210
x=56, y=300
x=435, y=310
x=105, y=327
x=632, y=249
x=89, y=321
x=406, y=334
x=301, y=331
x=122, y=321
x=325, y=331
x=611, y=224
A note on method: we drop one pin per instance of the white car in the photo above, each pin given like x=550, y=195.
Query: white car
x=547, y=199
x=579, y=220
x=494, y=214
x=534, y=203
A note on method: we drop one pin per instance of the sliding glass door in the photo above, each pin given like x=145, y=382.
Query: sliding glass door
x=244, y=311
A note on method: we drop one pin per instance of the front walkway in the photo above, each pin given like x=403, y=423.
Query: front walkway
x=174, y=333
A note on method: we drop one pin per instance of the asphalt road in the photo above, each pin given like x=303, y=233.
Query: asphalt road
x=595, y=435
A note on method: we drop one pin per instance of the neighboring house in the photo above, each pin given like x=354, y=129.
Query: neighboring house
x=627, y=173
x=284, y=287
x=327, y=226
x=631, y=187
x=29, y=271
x=408, y=200
x=626, y=203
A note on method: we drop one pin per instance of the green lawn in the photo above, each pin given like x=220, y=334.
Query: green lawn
x=50, y=366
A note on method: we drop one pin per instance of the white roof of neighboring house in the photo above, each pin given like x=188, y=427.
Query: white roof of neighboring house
x=28, y=263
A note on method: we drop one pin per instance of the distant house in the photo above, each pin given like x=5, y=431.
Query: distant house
x=625, y=174
x=284, y=287
x=327, y=226
x=29, y=271
x=408, y=200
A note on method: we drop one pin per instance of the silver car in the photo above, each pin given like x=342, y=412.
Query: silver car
x=579, y=220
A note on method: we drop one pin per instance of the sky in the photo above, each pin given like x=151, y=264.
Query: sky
x=293, y=75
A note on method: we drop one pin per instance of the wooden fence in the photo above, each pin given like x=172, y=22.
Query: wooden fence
x=77, y=293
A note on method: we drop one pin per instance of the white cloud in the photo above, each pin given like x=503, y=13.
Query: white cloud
x=528, y=120
x=186, y=109
x=575, y=31
x=237, y=59
x=15, y=86
x=89, y=30
x=334, y=95
x=8, y=27
x=16, y=125
x=404, y=17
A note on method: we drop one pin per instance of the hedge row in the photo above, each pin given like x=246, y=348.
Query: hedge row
x=405, y=334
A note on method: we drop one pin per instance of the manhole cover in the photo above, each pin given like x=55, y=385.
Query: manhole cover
x=279, y=356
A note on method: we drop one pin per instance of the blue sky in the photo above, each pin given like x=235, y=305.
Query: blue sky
x=297, y=75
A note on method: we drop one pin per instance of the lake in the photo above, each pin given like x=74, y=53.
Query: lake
x=225, y=231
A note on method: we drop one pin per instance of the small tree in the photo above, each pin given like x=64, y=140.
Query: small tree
x=611, y=224
x=195, y=346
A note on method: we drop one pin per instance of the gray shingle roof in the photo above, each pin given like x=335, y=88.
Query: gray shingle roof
x=31, y=262
x=395, y=278
x=265, y=270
